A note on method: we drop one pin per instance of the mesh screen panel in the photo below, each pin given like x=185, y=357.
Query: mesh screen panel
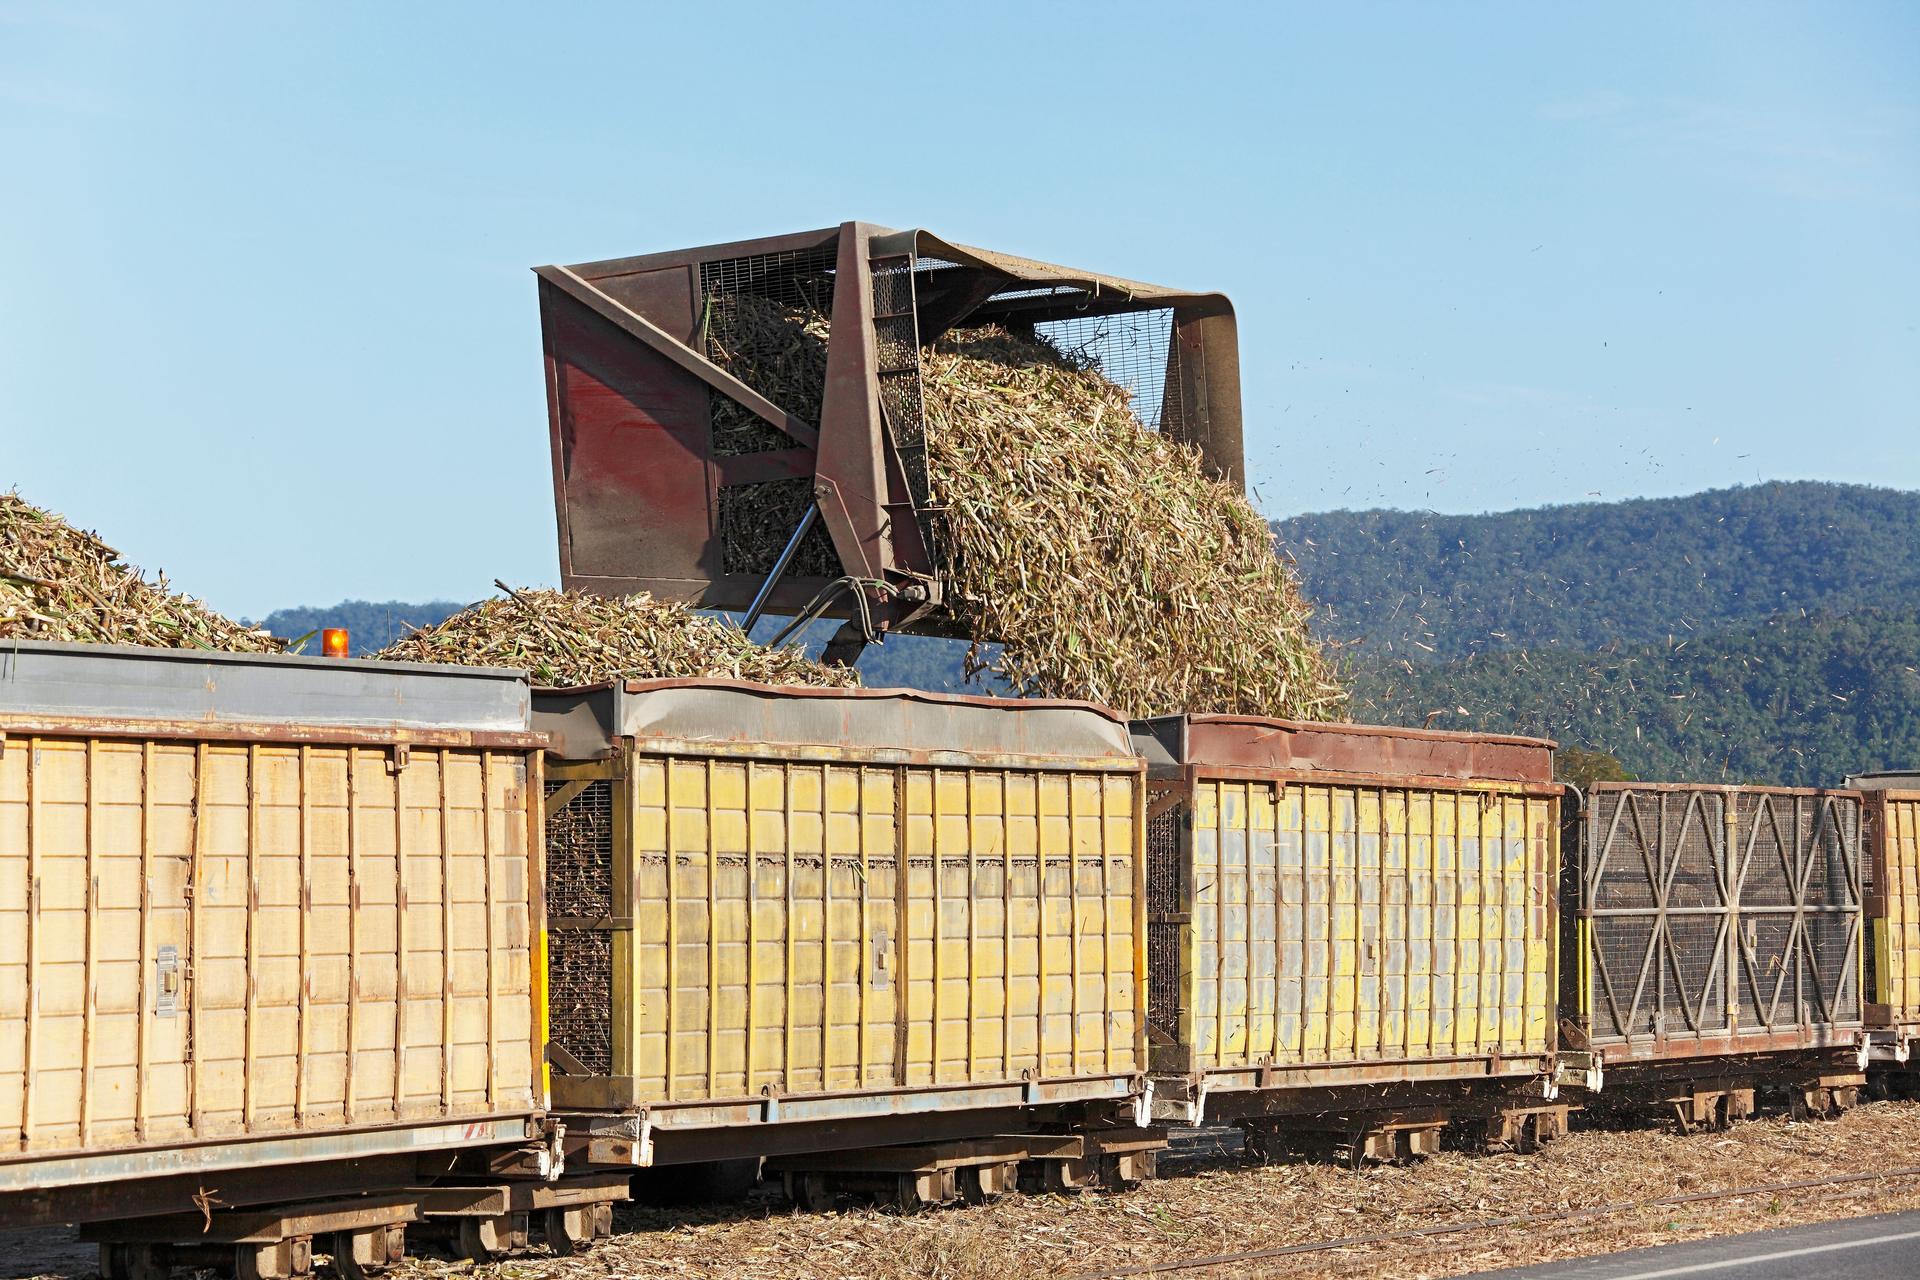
x=1770, y=973
x=1620, y=950
x=1163, y=861
x=1163, y=979
x=580, y=995
x=580, y=852
x=1133, y=350
x=1832, y=972
x=757, y=519
x=1719, y=904
x=799, y=281
x=1769, y=845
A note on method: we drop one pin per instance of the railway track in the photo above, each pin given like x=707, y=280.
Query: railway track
x=1588, y=1213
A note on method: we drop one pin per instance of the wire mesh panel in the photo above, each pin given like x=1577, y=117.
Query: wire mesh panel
x=1656, y=889
x=1134, y=350
x=765, y=319
x=580, y=836
x=1800, y=893
x=580, y=850
x=753, y=311
x=580, y=995
x=1164, y=923
x=1715, y=912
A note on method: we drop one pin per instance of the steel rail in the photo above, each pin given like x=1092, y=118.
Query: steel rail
x=1487, y=1224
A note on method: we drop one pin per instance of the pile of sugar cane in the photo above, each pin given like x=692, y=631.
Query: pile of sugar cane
x=62, y=583
x=569, y=638
x=1101, y=557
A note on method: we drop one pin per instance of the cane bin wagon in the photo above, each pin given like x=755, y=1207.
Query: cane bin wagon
x=267, y=925
x=785, y=922
x=1891, y=880
x=1715, y=946
x=1351, y=931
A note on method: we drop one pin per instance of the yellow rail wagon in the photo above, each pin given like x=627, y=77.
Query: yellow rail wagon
x=1891, y=877
x=266, y=928
x=788, y=922
x=1716, y=947
x=1352, y=933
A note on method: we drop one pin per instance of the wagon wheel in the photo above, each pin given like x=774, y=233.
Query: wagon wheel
x=906, y=1194
x=809, y=1192
x=569, y=1230
x=1526, y=1138
x=1063, y=1176
x=481, y=1238
x=133, y=1262
x=276, y=1261
x=982, y=1184
x=1112, y=1175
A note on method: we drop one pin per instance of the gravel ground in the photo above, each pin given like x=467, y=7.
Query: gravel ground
x=1212, y=1199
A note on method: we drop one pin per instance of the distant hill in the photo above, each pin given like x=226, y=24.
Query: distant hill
x=1434, y=587
x=1794, y=701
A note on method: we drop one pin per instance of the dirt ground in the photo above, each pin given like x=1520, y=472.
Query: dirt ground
x=1213, y=1199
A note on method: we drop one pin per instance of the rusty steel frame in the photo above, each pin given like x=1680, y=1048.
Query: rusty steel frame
x=1591, y=978
x=637, y=480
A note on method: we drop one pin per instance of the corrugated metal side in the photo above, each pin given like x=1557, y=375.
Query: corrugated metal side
x=1336, y=923
x=205, y=941
x=1894, y=905
x=823, y=926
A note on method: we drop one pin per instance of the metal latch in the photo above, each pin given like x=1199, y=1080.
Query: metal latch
x=166, y=975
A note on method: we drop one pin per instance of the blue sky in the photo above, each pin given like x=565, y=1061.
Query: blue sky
x=266, y=319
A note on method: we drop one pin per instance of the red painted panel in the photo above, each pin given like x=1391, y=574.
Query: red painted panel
x=633, y=482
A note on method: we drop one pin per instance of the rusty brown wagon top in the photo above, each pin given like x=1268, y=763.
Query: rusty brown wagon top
x=1293, y=746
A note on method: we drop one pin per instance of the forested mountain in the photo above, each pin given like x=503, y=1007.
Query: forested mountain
x=1422, y=585
x=1795, y=701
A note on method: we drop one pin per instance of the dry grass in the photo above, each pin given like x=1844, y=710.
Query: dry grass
x=1221, y=1204
x=568, y=638
x=62, y=583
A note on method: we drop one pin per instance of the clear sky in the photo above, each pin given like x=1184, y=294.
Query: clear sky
x=266, y=319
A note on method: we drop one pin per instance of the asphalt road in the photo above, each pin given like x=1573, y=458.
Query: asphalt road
x=1886, y=1247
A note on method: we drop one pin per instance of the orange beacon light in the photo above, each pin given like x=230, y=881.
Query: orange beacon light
x=333, y=642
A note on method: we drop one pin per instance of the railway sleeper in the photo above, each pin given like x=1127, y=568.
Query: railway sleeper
x=971, y=1171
